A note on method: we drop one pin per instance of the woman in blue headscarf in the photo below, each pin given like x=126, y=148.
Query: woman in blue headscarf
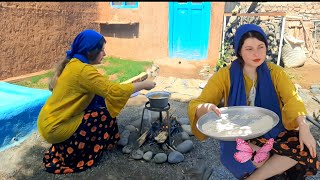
x=250, y=80
x=79, y=118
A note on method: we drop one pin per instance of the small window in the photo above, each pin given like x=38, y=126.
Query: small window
x=132, y=5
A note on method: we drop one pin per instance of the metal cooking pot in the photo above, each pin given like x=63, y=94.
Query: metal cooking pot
x=158, y=99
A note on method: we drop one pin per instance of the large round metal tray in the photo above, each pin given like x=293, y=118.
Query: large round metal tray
x=239, y=115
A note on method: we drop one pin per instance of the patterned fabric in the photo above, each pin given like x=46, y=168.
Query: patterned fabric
x=287, y=144
x=98, y=132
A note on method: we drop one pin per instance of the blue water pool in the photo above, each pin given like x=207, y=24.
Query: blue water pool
x=19, y=110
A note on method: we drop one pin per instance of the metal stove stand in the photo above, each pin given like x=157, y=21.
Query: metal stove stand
x=160, y=110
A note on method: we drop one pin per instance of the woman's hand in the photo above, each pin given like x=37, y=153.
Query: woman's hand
x=305, y=136
x=147, y=85
x=205, y=108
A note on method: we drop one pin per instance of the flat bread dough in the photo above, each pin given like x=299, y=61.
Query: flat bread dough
x=226, y=128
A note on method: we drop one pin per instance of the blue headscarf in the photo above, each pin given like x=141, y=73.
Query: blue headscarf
x=265, y=97
x=85, y=42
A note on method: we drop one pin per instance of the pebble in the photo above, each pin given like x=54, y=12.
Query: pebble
x=160, y=158
x=147, y=156
x=127, y=149
x=175, y=157
x=185, y=146
x=185, y=136
x=123, y=141
x=137, y=154
x=130, y=128
x=125, y=134
x=315, y=91
x=315, y=86
x=183, y=121
x=187, y=129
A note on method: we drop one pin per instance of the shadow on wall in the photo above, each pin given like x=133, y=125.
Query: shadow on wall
x=128, y=31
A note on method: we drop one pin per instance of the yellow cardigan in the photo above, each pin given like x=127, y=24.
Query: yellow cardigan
x=218, y=87
x=62, y=113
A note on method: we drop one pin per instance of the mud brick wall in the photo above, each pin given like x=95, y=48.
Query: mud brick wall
x=35, y=35
x=137, y=34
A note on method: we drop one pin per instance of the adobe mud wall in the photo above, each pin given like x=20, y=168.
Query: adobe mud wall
x=148, y=40
x=35, y=35
x=215, y=36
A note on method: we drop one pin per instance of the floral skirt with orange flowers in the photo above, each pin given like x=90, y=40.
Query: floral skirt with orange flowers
x=287, y=144
x=97, y=132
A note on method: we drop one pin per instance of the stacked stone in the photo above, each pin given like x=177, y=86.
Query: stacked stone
x=271, y=25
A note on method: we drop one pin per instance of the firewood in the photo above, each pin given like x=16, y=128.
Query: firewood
x=142, y=138
x=170, y=147
x=161, y=137
x=171, y=112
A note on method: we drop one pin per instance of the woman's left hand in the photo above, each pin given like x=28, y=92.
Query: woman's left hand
x=306, y=138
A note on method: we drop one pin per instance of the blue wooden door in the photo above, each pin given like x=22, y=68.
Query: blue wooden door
x=189, y=24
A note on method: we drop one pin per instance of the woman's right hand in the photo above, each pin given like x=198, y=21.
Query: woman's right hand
x=148, y=85
x=202, y=109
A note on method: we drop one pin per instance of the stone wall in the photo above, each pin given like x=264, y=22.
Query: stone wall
x=307, y=11
x=35, y=35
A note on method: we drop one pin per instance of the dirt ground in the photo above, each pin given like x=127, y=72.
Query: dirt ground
x=180, y=68
x=305, y=76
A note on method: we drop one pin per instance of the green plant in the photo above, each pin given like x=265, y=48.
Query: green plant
x=35, y=81
x=226, y=53
x=123, y=68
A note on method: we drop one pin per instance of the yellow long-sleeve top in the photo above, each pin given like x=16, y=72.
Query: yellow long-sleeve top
x=218, y=87
x=62, y=113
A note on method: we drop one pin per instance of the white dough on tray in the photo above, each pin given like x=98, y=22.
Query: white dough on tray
x=226, y=128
